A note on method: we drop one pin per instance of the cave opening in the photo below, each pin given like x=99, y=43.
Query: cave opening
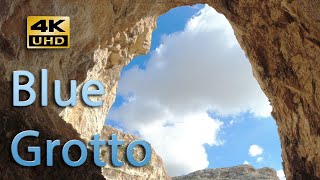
x=195, y=99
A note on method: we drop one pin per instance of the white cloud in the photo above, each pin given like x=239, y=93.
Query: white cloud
x=255, y=150
x=197, y=70
x=259, y=159
x=181, y=145
x=246, y=163
x=281, y=175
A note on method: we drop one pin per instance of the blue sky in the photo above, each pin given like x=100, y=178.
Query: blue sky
x=171, y=22
x=249, y=130
x=237, y=123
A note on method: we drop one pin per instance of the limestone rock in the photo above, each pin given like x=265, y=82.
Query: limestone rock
x=280, y=38
x=154, y=170
x=243, y=172
x=16, y=120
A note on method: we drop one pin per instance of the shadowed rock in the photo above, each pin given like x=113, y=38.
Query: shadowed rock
x=280, y=38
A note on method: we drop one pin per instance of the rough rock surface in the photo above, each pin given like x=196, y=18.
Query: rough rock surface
x=154, y=170
x=15, y=120
x=280, y=37
x=243, y=172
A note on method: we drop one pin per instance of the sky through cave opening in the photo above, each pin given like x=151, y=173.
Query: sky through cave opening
x=194, y=98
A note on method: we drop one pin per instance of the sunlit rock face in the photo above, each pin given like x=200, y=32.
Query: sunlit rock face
x=243, y=172
x=154, y=170
x=280, y=38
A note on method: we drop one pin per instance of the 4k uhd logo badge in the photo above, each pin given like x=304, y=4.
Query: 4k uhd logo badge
x=48, y=32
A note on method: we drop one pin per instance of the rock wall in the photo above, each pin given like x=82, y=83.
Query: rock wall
x=280, y=38
x=16, y=120
x=154, y=170
x=243, y=172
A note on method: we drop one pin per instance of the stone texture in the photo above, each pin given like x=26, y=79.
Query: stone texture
x=280, y=37
x=154, y=170
x=243, y=172
x=15, y=120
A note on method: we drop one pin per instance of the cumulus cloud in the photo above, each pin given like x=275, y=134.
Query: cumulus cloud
x=180, y=145
x=255, y=150
x=246, y=163
x=281, y=175
x=199, y=70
